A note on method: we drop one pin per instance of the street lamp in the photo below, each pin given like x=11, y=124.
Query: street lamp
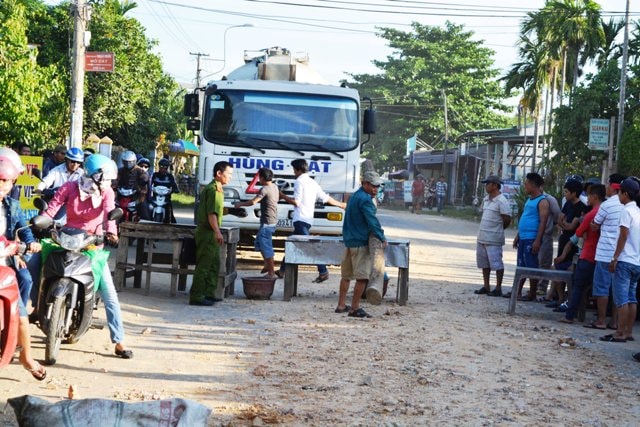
x=224, y=46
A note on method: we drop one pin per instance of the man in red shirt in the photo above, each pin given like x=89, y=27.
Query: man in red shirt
x=583, y=273
x=417, y=194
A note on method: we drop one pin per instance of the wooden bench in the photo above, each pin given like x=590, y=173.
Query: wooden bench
x=540, y=274
x=148, y=257
x=312, y=250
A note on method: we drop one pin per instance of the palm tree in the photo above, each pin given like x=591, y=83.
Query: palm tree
x=573, y=28
x=532, y=76
x=610, y=50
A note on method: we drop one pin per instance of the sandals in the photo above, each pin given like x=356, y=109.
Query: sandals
x=346, y=309
x=125, y=354
x=481, y=291
x=495, y=293
x=359, y=313
x=38, y=373
x=526, y=298
x=280, y=274
x=321, y=278
x=594, y=326
x=612, y=338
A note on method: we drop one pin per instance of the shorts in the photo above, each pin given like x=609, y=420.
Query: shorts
x=545, y=254
x=602, y=279
x=526, y=257
x=264, y=241
x=489, y=256
x=356, y=263
x=625, y=281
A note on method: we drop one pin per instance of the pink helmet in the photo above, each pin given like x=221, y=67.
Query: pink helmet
x=13, y=158
x=8, y=171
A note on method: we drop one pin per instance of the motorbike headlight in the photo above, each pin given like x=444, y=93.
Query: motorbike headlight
x=72, y=239
x=161, y=190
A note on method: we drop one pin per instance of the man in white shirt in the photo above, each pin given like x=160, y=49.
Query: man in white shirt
x=607, y=220
x=625, y=263
x=496, y=216
x=305, y=193
x=70, y=170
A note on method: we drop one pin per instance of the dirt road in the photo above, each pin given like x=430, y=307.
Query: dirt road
x=449, y=357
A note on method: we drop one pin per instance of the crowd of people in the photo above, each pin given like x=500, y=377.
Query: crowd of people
x=78, y=186
x=598, y=240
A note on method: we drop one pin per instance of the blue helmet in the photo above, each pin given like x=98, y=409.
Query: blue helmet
x=75, y=154
x=100, y=168
x=144, y=161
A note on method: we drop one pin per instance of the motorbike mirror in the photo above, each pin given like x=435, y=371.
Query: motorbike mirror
x=40, y=204
x=115, y=214
x=41, y=222
x=37, y=173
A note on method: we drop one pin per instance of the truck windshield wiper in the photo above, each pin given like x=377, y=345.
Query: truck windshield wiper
x=241, y=142
x=280, y=144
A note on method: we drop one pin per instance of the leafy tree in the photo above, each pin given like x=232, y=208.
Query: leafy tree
x=597, y=98
x=28, y=92
x=429, y=63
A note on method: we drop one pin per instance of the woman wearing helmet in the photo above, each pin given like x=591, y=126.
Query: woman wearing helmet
x=12, y=220
x=89, y=200
x=144, y=163
x=132, y=176
x=164, y=178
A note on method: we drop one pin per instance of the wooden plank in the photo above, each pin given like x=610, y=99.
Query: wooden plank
x=177, y=247
x=119, y=277
x=147, y=286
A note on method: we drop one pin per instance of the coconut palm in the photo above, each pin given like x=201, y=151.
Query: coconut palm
x=574, y=29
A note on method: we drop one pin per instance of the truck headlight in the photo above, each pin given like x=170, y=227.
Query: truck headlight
x=231, y=193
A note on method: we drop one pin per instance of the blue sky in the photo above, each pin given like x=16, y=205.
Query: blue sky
x=337, y=37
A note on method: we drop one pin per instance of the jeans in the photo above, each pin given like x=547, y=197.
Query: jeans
x=625, y=280
x=582, y=277
x=301, y=228
x=107, y=292
x=440, y=203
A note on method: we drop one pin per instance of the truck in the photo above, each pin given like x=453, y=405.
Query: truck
x=268, y=112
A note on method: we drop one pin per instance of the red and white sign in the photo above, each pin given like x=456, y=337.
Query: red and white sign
x=98, y=61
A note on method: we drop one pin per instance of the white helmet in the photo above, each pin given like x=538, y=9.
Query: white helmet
x=13, y=156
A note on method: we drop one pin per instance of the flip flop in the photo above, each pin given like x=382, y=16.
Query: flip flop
x=346, y=309
x=637, y=357
x=593, y=326
x=125, y=354
x=360, y=313
x=481, y=291
x=321, y=278
x=565, y=320
x=38, y=373
x=526, y=298
x=612, y=338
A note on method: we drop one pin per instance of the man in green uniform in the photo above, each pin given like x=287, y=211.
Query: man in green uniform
x=209, y=238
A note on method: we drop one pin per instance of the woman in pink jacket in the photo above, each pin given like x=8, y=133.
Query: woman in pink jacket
x=88, y=202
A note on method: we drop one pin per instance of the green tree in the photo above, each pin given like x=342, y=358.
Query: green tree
x=596, y=98
x=408, y=93
x=28, y=92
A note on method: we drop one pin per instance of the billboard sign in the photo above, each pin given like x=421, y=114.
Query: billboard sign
x=98, y=62
x=599, y=134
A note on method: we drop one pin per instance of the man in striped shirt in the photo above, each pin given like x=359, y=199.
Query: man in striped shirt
x=607, y=220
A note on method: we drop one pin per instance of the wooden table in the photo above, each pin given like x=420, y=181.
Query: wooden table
x=311, y=250
x=146, y=234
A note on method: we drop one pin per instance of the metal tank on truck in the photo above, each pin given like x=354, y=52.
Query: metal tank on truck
x=268, y=112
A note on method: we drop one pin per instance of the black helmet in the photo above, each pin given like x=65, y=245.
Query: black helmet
x=144, y=161
x=574, y=177
x=164, y=163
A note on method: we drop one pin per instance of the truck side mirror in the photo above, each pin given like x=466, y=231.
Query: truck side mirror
x=191, y=105
x=369, y=120
x=369, y=125
x=193, y=124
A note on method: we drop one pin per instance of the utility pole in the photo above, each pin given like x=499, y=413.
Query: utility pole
x=81, y=17
x=623, y=83
x=198, y=69
x=446, y=136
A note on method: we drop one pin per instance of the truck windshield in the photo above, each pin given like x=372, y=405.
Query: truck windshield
x=275, y=120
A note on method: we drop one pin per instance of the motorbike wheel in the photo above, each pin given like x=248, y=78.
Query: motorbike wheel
x=55, y=330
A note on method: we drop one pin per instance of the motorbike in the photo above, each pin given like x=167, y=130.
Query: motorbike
x=71, y=268
x=9, y=298
x=160, y=204
x=128, y=202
